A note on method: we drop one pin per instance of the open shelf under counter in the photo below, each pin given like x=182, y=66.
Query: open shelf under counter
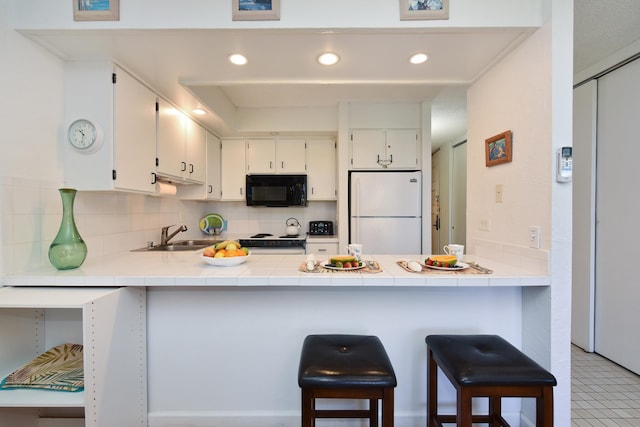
x=110, y=323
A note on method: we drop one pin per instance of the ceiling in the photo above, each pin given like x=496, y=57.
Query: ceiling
x=283, y=72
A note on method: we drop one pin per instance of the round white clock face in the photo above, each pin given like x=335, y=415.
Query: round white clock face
x=85, y=136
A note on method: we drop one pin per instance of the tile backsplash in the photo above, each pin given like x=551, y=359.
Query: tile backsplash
x=112, y=222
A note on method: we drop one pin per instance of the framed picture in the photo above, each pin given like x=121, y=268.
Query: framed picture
x=255, y=10
x=96, y=10
x=424, y=9
x=498, y=149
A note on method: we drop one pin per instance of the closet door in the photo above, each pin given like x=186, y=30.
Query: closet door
x=618, y=217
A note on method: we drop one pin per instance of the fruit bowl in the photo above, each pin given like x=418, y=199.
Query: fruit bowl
x=225, y=262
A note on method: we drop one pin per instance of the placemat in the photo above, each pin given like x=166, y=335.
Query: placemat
x=370, y=267
x=473, y=269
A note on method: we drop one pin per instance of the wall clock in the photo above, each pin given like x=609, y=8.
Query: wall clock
x=85, y=136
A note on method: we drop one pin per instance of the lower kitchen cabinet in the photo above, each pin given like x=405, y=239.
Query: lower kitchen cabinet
x=110, y=323
x=322, y=249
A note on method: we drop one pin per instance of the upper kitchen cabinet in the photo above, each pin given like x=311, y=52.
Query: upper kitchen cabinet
x=232, y=167
x=384, y=149
x=283, y=156
x=113, y=148
x=181, y=145
x=211, y=189
x=321, y=169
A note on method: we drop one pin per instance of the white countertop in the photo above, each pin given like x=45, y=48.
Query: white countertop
x=188, y=269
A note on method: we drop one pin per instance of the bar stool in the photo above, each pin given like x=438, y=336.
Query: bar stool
x=346, y=367
x=485, y=366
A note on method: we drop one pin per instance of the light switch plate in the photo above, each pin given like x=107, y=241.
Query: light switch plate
x=534, y=236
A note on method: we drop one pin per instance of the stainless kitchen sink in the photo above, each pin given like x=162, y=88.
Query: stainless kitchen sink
x=179, y=245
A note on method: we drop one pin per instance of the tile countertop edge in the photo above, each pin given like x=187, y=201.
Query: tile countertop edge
x=186, y=269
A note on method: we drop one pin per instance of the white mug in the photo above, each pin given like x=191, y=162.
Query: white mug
x=355, y=249
x=453, y=249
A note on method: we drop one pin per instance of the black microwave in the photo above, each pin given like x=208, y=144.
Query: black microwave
x=276, y=190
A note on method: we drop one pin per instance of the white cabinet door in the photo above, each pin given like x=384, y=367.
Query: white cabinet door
x=171, y=140
x=266, y=156
x=233, y=169
x=384, y=149
x=290, y=156
x=261, y=156
x=367, y=148
x=214, y=152
x=134, y=135
x=195, y=152
x=125, y=110
x=321, y=169
x=402, y=148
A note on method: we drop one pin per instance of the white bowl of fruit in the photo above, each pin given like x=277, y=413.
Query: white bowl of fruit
x=225, y=254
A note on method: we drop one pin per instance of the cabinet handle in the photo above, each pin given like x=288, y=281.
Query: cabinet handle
x=322, y=250
x=184, y=166
x=282, y=165
x=155, y=178
x=210, y=189
x=390, y=158
x=191, y=165
x=311, y=190
x=241, y=191
x=270, y=165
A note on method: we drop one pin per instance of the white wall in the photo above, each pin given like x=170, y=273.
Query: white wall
x=529, y=93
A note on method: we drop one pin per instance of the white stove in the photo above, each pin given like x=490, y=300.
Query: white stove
x=265, y=243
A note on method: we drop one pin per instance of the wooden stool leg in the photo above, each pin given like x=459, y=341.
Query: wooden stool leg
x=464, y=408
x=387, y=407
x=308, y=408
x=432, y=389
x=544, y=408
x=373, y=412
x=495, y=411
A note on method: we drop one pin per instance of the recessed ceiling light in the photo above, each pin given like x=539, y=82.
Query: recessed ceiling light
x=199, y=111
x=238, y=59
x=328, y=58
x=418, y=58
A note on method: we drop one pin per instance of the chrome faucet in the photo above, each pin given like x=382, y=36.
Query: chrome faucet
x=165, y=236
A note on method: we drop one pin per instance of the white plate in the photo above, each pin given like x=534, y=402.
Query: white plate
x=459, y=266
x=225, y=262
x=328, y=266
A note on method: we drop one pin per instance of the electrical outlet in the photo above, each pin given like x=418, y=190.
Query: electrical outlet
x=534, y=236
x=485, y=224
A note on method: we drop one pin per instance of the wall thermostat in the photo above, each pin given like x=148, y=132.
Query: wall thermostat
x=564, y=164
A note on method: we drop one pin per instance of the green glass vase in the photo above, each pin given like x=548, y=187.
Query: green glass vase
x=67, y=250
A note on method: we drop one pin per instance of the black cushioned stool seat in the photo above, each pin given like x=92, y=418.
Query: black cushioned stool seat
x=485, y=366
x=346, y=367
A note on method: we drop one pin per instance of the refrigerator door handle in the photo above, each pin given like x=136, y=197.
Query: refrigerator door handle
x=356, y=213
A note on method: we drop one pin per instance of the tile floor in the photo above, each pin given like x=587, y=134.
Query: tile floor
x=602, y=393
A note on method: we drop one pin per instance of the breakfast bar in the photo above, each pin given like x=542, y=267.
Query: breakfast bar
x=222, y=343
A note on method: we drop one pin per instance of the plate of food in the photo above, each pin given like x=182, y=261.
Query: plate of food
x=343, y=263
x=445, y=262
x=330, y=266
x=457, y=266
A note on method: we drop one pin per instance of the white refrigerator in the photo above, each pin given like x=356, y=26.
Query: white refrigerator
x=385, y=210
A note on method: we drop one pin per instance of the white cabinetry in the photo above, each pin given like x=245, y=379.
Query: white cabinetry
x=125, y=110
x=324, y=249
x=214, y=153
x=232, y=169
x=321, y=169
x=211, y=189
x=181, y=145
x=283, y=156
x=384, y=148
x=111, y=325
